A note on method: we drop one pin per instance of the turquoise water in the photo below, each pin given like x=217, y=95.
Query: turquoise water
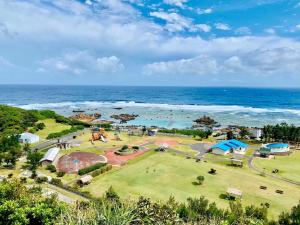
x=163, y=106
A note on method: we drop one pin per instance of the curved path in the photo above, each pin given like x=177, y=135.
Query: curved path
x=251, y=166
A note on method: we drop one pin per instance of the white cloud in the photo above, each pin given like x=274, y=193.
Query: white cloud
x=5, y=62
x=204, y=11
x=222, y=26
x=178, y=3
x=203, y=27
x=270, y=31
x=194, y=66
x=298, y=27
x=80, y=62
x=243, y=31
x=175, y=22
x=260, y=62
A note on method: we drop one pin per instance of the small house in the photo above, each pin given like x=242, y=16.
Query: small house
x=232, y=145
x=275, y=149
x=50, y=156
x=152, y=132
x=85, y=180
x=29, y=138
x=255, y=133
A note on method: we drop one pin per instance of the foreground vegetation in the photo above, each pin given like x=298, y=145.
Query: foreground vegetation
x=22, y=205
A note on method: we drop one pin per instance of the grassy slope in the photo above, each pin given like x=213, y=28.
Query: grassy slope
x=51, y=127
x=173, y=175
x=288, y=166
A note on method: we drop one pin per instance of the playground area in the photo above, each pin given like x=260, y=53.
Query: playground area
x=75, y=161
x=119, y=160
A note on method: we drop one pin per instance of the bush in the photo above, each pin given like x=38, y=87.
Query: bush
x=65, y=132
x=40, y=126
x=199, y=133
x=91, y=168
x=10, y=175
x=51, y=168
x=23, y=180
x=200, y=180
x=101, y=170
x=135, y=147
x=56, y=181
x=41, y=179
x=60, y=173
x=124, y=147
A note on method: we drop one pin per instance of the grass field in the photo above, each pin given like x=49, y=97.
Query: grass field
x=51, y=127
x=288, y=166
x=159, y=175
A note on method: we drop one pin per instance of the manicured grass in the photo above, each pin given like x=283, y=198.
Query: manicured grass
x=51, y=127
x=159, y=175
x=288, y=166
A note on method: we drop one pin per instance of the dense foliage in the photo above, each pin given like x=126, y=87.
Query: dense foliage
x=10, y=149
x=199, y=133
x=281, y=132
x=90, y=168
x=65, y=132
x=21, y=205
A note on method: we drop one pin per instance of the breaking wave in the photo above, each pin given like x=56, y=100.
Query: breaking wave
x=85, y=105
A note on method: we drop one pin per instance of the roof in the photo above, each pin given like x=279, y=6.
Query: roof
x=234, y=191
x=50, y=155
x=27, y=135
x=277, y=145
x=86, y=178
x=230, y=144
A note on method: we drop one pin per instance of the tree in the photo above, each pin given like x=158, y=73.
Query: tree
x=33, y=159
x=111, y=195
x=26, y=147
x=10, y=149
x=144, y=129
x=230, y=135
x=200, y=180
x=244, y=132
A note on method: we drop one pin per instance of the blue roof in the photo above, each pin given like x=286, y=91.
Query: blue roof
x=277, y=145
x=230, y=144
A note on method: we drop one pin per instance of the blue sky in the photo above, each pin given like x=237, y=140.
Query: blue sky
x=150, y=42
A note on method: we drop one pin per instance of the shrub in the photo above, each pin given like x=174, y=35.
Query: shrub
x=199, y=133
x=23, y=180
x=124, y=147
x=56, y=181
x=51, y=168
x=200, y=180
x=90, y=168
x=65, y=132
x=135, y=147
x=10, y=175
x=60, y=173
x=101, y=170
x=41, y=179
x=40, y=126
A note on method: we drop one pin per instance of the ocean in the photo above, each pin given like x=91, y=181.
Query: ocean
x=170, y=107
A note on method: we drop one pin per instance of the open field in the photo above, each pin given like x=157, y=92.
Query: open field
x=51, y=127
x=288, y=166
x=159, y=175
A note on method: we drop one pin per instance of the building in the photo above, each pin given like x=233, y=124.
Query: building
x=225, y=147
x=50, y=156
x=255, y=133
x=85, y=180
x=29, y=138
x=274, y=149
x=152, y=132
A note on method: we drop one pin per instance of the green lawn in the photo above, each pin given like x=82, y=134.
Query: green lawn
x=51, y=127
x=159, y=175
x=288, y=166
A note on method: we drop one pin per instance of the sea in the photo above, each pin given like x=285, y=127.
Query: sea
x=169, y=107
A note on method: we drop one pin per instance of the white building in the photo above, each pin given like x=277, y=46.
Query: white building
x=29, y=138
x=50, y=156
x=255, y=133
x=275, y=148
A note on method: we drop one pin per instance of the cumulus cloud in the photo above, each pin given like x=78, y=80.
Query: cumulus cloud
x=80, y=62
x=222, y=26
x=270, y=31
x=194, y=66
x=203, y=27
x=178, y=3
x=262, y=62
x=204, y=11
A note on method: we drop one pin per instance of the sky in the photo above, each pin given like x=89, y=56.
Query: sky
x=253, y=43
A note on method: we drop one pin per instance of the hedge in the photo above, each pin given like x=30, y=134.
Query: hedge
x=101, y=170
x=199, y=133
x=90, y=168
x=65, y=132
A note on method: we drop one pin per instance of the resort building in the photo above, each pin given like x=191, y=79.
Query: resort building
x=255, y=133
x=29, y=138
x=225, y=147
x=50, y=156
x=274, y=149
